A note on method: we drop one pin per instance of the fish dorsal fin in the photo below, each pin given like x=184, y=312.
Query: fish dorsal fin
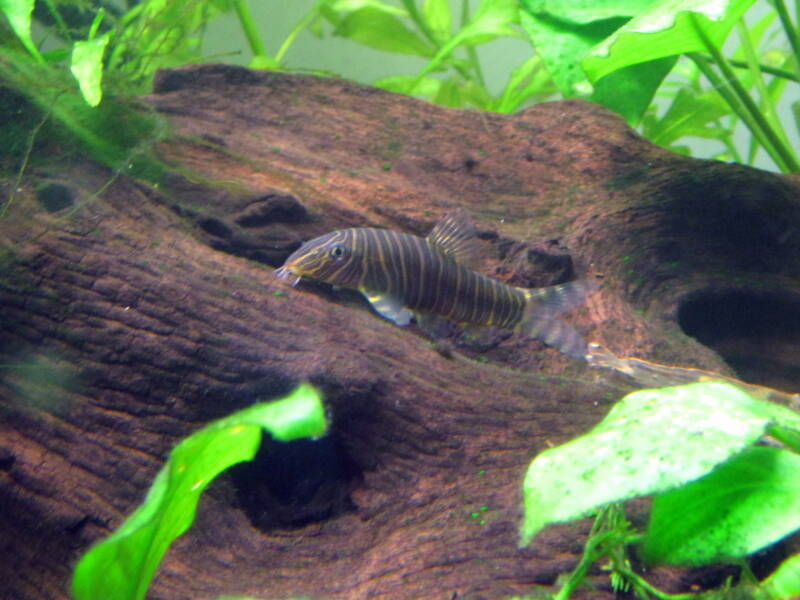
x=454, y=236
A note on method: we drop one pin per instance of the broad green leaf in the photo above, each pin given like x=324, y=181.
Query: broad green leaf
x=437, y=16
x=651, y=441
x=784, y=583
x=18, y=13
x=383, y=31
x=87, y=67
x=667, y=29
x=122, y=566
x=629, y=91
x=586, y=11
x=742, y=506
x=563, y=45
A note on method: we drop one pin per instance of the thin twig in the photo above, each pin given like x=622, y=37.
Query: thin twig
x=25, y=159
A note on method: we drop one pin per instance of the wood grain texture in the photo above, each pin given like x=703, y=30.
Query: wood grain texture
x=132, y=318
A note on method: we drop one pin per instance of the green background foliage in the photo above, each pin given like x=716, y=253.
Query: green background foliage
x=497, y=55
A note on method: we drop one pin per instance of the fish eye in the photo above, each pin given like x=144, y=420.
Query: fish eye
x=337, y=252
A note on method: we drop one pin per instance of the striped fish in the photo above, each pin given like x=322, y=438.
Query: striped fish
x=405, y=276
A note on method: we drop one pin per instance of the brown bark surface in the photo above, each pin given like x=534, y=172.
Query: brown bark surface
x=131, y=316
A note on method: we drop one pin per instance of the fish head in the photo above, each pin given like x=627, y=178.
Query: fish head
x=329, y=258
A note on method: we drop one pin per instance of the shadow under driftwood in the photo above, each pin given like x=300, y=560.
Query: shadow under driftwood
x=131, y=319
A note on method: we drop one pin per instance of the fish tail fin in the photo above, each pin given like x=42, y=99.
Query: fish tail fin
x=540, y=316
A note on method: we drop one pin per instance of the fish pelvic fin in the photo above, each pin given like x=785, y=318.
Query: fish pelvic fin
x=540, y=315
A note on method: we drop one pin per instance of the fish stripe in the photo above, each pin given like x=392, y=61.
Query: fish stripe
x=398, y=259
x=359, y=255
x=490, y=317
x=504, y=305
x=347, y=267
x=386, y=278
x=388, y=262
x=473, y=298
x=420, y=247
x=442, y=270
x=451, y=300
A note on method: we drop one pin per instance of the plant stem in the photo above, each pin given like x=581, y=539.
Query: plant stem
x=703, y=65
x=766, y=101
x=592, y=551
x=62, y=26
x=788, y=27
x=249, y=27
x=745, y=107
x=302, y=24
x=25, y=159
x=472, y=54
x=782, y=73
x=411, y=7
x=590, y=555
x=641, y=583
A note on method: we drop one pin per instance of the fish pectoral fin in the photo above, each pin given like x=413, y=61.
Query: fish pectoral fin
x=389, y=307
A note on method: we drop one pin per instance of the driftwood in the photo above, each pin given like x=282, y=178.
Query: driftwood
x=132, y=316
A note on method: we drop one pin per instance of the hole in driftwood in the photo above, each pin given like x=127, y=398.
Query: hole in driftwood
x=757, y=333
x=291, y=484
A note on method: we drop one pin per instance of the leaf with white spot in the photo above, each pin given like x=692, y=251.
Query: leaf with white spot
x=650, y=442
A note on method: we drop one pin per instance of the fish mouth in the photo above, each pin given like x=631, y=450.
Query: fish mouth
x=287, y=274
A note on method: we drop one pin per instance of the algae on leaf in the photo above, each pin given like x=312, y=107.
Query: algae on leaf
x=666, y=29
x=87, y=67
x=650, y=442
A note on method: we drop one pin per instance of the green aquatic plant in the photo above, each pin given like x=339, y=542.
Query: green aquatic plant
x=619, y=57
x=122, y=566
x=52, y=100
x=619, y=54
x=80, y=94
x=718, y=497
